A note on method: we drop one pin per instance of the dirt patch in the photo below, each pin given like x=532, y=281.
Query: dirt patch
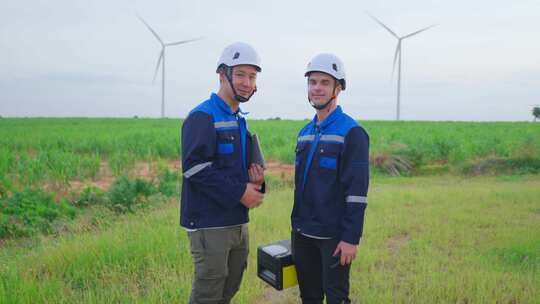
x=105, y=178
x=103, y=181
x=280, y=169
x=146, y=170
x=273, y=167
x=440, y=162
x=175, y=165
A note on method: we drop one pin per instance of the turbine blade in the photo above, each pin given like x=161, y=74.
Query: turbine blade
x=157, y=65
x=419, y=31
x=183, y=41
x=151, y=30
x=382, y=24
x=398, y=50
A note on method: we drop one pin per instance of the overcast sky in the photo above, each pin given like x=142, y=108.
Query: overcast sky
x=95, y=58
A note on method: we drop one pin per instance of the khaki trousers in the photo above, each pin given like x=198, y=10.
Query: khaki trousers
x=219, y=259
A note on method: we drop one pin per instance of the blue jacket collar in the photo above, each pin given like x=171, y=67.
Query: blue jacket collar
x=224, y=106
x=330, y=119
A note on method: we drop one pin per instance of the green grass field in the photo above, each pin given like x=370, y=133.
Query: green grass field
x=442, y=239
x=89, y=213
x=33, y=150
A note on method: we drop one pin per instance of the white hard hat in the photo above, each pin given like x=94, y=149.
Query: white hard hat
x=239, y=53
x=329, y=64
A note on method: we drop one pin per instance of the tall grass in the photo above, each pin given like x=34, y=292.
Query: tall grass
x=427, y=240
x=145, y=138
x=60, y=150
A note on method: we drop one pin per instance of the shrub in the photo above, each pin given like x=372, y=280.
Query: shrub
x=168, y=183
x=125, y=194
x=497, y=165
x=30, y=211
x=90, y=196
x=394, y=160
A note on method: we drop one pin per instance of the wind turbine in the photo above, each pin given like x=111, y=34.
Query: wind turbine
x=161, y=59
x=396, y=58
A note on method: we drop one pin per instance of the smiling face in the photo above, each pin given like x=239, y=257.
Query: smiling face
x=244, y=80
x=322, y=87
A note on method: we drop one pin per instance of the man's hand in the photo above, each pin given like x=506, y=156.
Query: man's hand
x=252, y=197
x=348, y=252
x=256, y=174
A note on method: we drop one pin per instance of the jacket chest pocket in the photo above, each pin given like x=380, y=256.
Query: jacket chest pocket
x=226, y=148
x=327, y=158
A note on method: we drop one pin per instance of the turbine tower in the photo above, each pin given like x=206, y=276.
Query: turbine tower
x=161, y=59
x=397, y=56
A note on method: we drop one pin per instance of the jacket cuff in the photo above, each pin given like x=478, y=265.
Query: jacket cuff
x=351, y=237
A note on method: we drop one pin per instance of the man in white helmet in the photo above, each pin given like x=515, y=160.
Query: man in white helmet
x=220, y=183
x=331, y=184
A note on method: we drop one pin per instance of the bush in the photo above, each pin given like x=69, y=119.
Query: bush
x=125, y=194
x=395, y=160
x=30, y=211
x=527, y=150
x=498, y=165
x=168, y=183
x=89, y=197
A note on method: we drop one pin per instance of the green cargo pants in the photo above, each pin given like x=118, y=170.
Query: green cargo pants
x=219, y=259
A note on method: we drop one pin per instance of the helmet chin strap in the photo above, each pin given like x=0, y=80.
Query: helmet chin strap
x=240, y=98
x=323, y=106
